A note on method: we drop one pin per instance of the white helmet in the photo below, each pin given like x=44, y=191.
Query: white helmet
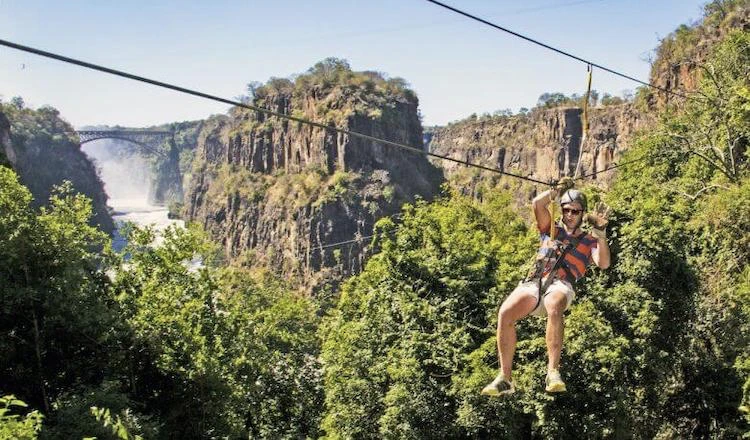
x=573, y=195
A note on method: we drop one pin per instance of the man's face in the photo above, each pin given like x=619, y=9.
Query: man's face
x=572, y=214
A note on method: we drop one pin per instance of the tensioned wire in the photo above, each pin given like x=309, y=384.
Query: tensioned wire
x=283, y=116
x=363, y=237
x=302, y=120
x=554, y=49
x=255, y=108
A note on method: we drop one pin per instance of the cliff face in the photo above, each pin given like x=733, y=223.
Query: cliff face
x=5, y=147
x=543, y=144
x=172, y=170
x=41, y=149
x=679, y=57
x=282, y=194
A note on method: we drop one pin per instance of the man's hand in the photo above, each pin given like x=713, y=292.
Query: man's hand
x=564, y=184
x=560, y=187
x=598, y=220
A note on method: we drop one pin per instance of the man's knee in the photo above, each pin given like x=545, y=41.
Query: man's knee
x=505, y=315
x=515, y=308
x=555, y=302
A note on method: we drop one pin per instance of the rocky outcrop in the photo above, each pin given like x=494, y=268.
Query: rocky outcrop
x=172, y=171
x=5, y=146
x=543, y=144
x=285, y=195
x=43, y=151
x=679, y=57
x=166, y=187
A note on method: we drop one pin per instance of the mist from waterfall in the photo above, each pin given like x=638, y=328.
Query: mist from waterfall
x=125, y=173
x=127, y=178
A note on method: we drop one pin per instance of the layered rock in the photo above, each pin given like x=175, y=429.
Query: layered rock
x=544, y=144
x=680, y=58
x=284, y=194
x=41, y=148
x=5, y=147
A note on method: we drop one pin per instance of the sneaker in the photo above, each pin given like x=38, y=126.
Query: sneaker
x=499, y=387
x=554, y=382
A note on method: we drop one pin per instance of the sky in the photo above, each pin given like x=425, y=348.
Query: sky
x=456, y=66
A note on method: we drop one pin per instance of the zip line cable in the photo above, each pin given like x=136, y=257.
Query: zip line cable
x=424, y=25
x=364, y=237
x=554, y=49
x=199, y=94
x=253, y=107
x=354, y=240
x=131, y=76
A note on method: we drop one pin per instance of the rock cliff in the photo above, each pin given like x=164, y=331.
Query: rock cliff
x=678, y=61
x=5, y=147
x=172, y=170
x=283, y=194
x=543, y=144
x=41, y=149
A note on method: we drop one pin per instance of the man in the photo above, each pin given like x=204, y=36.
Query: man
x=549, y=290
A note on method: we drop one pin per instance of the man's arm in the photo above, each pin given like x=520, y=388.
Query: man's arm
x=539, y=204
x=598, y=221
x=600, y=254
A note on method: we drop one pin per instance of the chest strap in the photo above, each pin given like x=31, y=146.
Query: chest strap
x=559, y=263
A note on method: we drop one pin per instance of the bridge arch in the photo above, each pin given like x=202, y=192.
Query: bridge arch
x=148, y=140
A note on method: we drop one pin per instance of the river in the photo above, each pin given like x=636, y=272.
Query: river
x=137, y=210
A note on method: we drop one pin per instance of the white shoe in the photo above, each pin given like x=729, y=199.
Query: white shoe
x=554, y=383
x=499, y=387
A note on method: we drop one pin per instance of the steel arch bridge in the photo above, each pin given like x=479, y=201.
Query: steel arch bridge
x=148, y=140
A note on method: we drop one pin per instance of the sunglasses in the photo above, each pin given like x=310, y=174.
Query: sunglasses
x=572, y=211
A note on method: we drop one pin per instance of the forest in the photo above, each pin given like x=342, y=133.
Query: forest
x=141, y=345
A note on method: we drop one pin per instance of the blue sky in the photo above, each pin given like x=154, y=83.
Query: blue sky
x=456, y=66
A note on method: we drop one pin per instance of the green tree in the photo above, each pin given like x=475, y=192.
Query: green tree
x=54, y=311
x=399, y=336
x=215, y=352
x=715, y=124
x=15, y=427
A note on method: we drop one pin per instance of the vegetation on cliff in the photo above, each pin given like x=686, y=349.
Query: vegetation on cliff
x=337, y=92
x=276, y=193
x=657, y=346
x=46, y=153
x=678, y=60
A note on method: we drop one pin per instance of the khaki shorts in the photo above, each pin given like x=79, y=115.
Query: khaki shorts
x=532, y=288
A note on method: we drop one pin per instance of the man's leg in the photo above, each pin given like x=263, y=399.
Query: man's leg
x=519, y=303
x=555, y=302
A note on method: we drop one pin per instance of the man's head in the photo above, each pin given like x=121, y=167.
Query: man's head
x=573, y=196
x=573, y=204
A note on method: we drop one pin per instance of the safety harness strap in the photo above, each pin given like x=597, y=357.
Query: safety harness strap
x=559, y=263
